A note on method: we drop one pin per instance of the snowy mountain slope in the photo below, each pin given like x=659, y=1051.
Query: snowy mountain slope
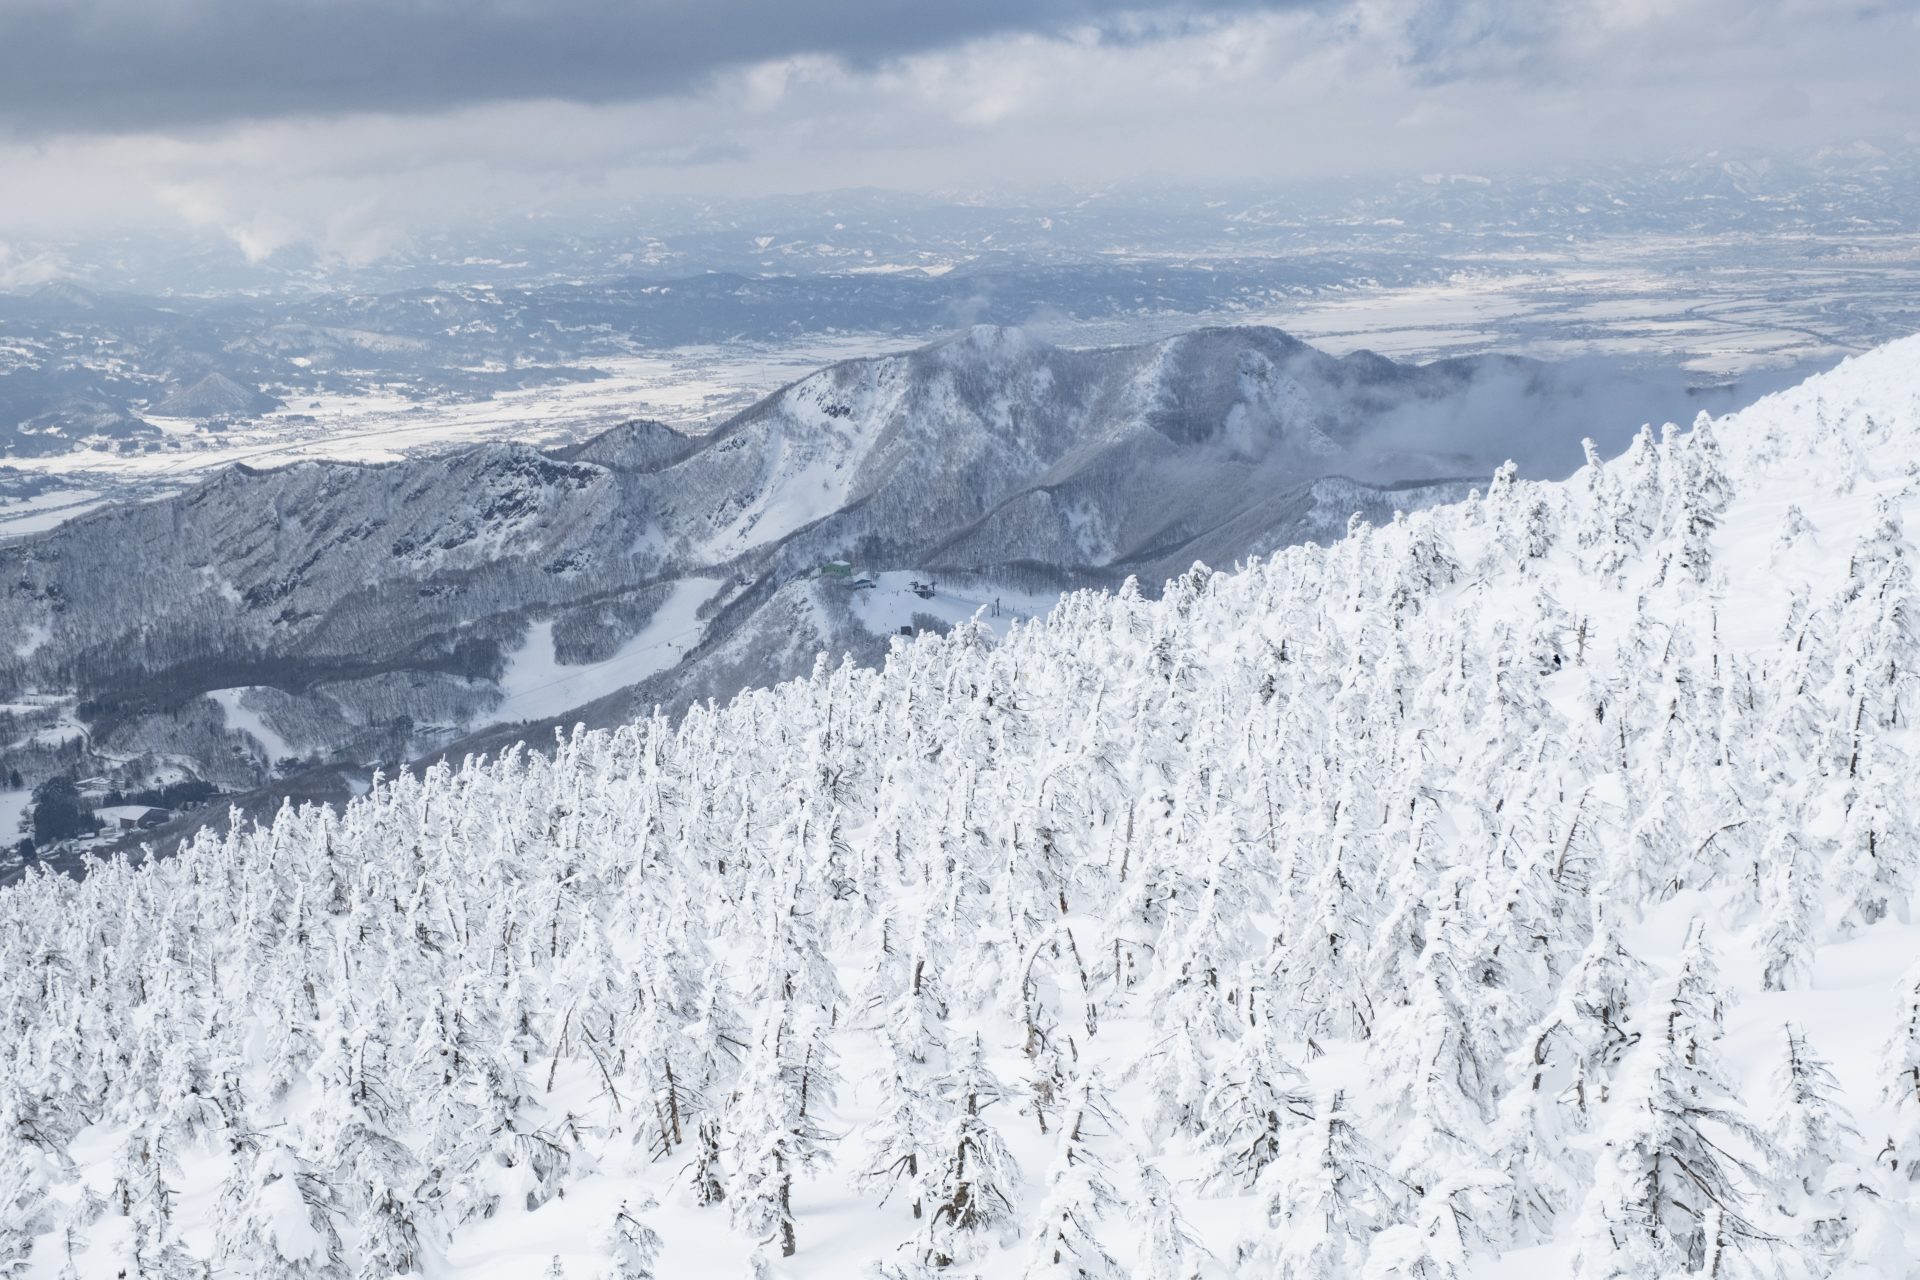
x=385, y=603
x=215, y=396
x=1130, y=456
x=1523, y=887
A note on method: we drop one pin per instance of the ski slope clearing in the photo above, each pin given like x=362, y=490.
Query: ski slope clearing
x=13, y=815
x=892, y=603
x=1523, y=887
x=250, y=722
x=537, y=685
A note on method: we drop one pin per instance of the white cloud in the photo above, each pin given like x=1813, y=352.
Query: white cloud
x=23, y=269
x=1255, y=96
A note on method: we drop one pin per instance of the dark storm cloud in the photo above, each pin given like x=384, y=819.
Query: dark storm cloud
x=135, y=64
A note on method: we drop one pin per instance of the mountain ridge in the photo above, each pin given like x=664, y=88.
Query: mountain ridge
x=992, y=461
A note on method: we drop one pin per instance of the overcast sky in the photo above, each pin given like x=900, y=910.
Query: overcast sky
x=341, y=123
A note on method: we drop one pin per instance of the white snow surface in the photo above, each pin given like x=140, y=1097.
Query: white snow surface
x=13, y=815
x=891, y=603
x=813, y=440
x=45, y=510
x=1440, y=903
x=537, y=685
x=247, y=720
x=35, y=636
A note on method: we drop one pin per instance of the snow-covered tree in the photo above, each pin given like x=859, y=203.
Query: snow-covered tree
x=1259, y=1095
x=1670, y=1193
x=1067, y=1241
x=973, y=1188
x=1792, y=905
x=1170, y=1250
x=1811, y=1136
x=633, y=1247
x=1326, y=1196
x=276, y=1217
x=1901, y=1077
x=774, y=1125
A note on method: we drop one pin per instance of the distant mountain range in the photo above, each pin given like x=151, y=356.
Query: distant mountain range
x=1375, y=225
x=292, y=627
x=1725, y=262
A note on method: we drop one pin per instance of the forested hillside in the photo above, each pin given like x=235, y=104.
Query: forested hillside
x=321, y=616
x=1522, y=887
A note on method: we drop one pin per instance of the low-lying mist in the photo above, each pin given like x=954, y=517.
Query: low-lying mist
x=1538, y=414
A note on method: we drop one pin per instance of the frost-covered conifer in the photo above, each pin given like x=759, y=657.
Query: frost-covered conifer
x=1326, y=1196
x=1900, y=1073
x=973, y=1188
x=1812, y=1137
x=1439, y=1051
x=276, y=1217
x=1792, y=906
x=24, y=1211
x=1560, y=1079
x=1876, y=859
x=1670, y=1191
x=774, y=1125
x=706, y=1172
x=1257, y=1096
x=633, y=1246
x=1069, y=1233
x=1169, y=1248
x=900, y=1140
x=1319, y=964
x=514, y=1157
x=1441, y=1235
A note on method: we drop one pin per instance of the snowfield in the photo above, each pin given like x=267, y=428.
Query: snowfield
x=13, y=815
x=892, y=603
x=1524, y=887
x=251, y=722
x=537, y=685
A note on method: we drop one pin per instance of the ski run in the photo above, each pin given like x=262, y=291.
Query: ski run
x=1522, y=888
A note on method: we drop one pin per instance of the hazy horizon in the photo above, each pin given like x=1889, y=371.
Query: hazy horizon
x=349, y=126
